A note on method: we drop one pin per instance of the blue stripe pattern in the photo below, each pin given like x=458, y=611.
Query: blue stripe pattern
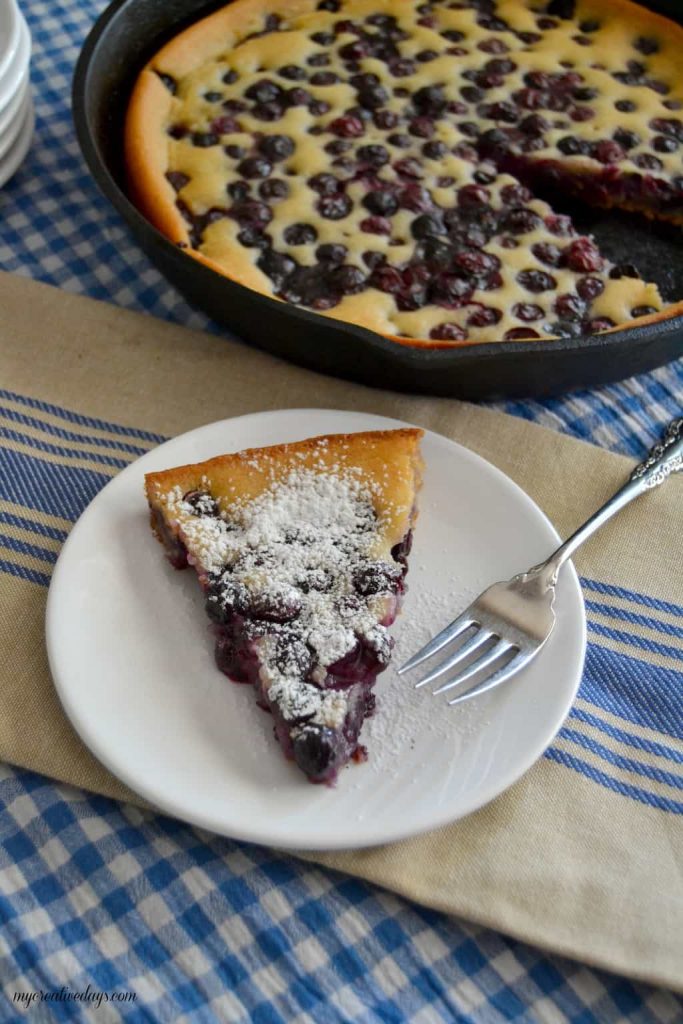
x=390, y=962
x=84, y=421
x=125, y=896
x=637, y=693
x=69, y=435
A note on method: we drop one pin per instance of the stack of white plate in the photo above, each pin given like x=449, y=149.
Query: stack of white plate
x=16, y=105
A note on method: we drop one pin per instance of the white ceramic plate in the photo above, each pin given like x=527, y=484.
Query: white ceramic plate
x=11, y=110
x=13, y=71
x=12, y=161
x=9, y=33
x=132, y=660
x=11, y=135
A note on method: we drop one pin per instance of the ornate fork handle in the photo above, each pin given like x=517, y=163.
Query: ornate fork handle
x=665, y=458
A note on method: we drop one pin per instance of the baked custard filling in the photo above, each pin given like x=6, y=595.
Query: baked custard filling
x=378, y=161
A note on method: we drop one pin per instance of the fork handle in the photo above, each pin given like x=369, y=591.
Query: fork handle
x=664, y=459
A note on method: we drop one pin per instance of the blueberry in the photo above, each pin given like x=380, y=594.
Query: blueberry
x=583, y=256
x=264, y=91
x=314, y=749
x=376, y=578
x=437, y=252
x=372, y=97
x=571, y=146
x=347, y=280
x=430, y=100
x=177, y=179
x=347, y=126
x=564, y=329
x=570, y=307
x=473, y=196
x=225, y=599
x=475, y=263
x=300, y=234
x=254, y=167
x=664, y=144
x=450, y=290
x=520, y=221
x=276, y=147
x=201, y=503
x=293, y=657
x=646, y=45
x=274, y=188
x=385, y=119
x=648, y=162
x=321, y=78
x=527, y=311
x=623, y=270
x=331, y=252
x=520, y=334
x=374, y=155
x=251, y=211
x=536, y=280
x=584, y=94
x=382, y=203
x=590, y=287
x=276, y=265
x=335, y=207
x=400, y=551
x=325, y=184
x=252, y=238
x=502, y=110
x=485, y=317
x=434, y=150
x=421, y=127
x=204, y=139
x=338, y=146
x=427, y=224
x=447, y=332
x=297, y=97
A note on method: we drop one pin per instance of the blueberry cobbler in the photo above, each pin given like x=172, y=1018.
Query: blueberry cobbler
x=301, y=550
x=382, y=161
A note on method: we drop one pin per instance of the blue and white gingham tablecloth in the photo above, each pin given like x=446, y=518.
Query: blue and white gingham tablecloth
x=99, y=899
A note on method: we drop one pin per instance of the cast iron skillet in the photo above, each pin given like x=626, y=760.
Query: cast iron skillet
x=129, y=32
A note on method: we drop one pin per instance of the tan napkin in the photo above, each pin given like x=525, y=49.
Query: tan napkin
x=563, y=860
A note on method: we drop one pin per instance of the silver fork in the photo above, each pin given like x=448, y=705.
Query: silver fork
x=511, y=621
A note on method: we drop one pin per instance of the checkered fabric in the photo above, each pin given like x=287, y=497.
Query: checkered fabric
x=200, y=928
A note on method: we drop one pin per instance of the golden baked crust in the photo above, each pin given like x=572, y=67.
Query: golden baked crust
x=237, y=39
x=387, y=461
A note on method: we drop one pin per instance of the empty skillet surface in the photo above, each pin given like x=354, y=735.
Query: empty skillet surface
x=129, y=32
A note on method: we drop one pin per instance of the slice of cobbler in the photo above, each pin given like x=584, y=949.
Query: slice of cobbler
x=301, y=550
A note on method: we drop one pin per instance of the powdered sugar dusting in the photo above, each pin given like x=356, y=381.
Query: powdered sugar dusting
x=405, y=714
x=300, y=558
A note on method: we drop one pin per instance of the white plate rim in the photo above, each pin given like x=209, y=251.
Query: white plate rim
x=12, y=161
x=265, y=836
x=15, y=69
x=13, y=39
x=9, y=111
x=13, y=132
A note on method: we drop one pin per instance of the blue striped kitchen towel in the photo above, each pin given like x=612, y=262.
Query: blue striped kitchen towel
x=584, y=856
